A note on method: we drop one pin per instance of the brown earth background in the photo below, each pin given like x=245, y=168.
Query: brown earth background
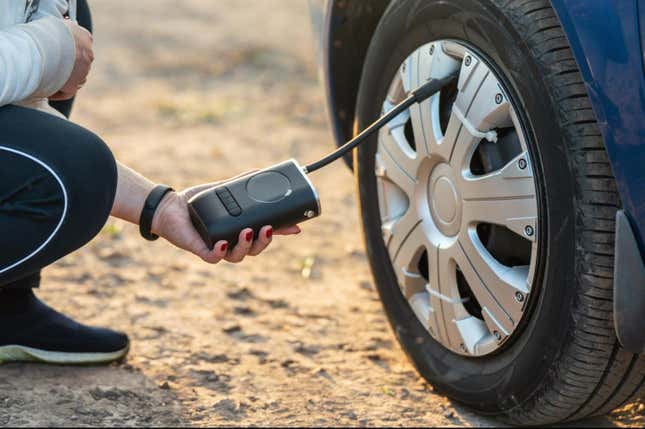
x=195, y=91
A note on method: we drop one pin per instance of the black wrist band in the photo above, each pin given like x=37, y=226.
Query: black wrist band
x=149, y=209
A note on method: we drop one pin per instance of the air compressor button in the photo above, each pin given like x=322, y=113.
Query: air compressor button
x=269, y=187
x=228, y=201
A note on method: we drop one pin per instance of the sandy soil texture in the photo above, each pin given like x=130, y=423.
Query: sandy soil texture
x=194, y=91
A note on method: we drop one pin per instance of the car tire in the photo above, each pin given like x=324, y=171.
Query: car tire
x=565, y=363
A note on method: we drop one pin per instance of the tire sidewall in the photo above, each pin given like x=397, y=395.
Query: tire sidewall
x=506, y=379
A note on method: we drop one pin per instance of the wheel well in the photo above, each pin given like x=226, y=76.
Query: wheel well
x=350, y=28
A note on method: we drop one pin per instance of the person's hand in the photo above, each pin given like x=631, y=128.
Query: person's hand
x=84, y=56
x=172, y=222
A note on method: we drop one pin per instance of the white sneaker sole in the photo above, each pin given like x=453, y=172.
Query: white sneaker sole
x=16, y=353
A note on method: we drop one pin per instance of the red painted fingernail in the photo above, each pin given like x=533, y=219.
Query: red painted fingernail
x=249, y=236
x=269, y=232
x=224, y=247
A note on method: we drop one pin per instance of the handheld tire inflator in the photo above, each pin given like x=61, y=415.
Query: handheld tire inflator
x=280, y=195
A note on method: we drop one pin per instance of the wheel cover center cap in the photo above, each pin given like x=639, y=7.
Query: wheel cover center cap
x=444, y=200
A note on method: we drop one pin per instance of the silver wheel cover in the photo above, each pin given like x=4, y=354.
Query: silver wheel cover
x=431, y=203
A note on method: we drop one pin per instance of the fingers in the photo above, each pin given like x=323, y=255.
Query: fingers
x=263, y=240
x=289, y=230
x=217, y=254
x=244, y=243
x=60, y=95
x=86, y=32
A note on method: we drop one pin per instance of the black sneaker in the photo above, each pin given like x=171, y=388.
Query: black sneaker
x=31, y=331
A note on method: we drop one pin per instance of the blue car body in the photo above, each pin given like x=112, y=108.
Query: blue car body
x=608, y=40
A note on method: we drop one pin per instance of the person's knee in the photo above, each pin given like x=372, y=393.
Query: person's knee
x=93, y=182
x=103, y=168
x=105, y=176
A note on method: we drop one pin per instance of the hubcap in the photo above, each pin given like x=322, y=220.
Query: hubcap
x=458, y=201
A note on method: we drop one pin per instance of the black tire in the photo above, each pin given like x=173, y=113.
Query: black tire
x=566, y=363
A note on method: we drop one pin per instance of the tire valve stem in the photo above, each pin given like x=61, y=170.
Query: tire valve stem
x=497, y=335
x=463, y=348
x=529, y=231
x=467, y=60
x=522, y=164
x=519, y=296
x=431, y=49
x=499, y=98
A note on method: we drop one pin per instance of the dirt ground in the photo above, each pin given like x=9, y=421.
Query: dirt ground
x=194, y=91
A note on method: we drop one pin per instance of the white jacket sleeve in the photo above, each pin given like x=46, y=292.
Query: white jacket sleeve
x=57, y=8
x=36, y=58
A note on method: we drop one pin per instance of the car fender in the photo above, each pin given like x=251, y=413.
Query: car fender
x=607, y=42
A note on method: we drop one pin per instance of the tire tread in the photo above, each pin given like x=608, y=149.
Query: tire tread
x=594, y=374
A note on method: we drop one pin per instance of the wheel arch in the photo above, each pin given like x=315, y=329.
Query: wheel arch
x=347, y=33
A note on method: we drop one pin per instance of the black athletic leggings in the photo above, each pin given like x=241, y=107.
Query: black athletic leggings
x=57, y=186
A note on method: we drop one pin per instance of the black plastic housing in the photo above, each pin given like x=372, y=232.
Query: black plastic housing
x=280, y=196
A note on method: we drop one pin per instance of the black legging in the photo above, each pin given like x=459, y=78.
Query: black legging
x=57, y=187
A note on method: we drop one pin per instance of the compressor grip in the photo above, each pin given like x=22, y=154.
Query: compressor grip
x=279, y=196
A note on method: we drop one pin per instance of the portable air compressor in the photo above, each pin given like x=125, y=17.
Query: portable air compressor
x=280, y=195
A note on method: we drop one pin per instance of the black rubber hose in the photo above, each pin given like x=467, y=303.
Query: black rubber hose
x=420, y=94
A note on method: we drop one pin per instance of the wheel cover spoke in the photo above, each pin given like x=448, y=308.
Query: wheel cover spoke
x=509, y=182
x=493, y=287
x=389, y=166
x=450, y=300
x=519, y=215
x=425, y=116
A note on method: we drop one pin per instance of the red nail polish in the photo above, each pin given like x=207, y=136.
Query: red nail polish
x=269, y=232
x=249, y=236
x=224, y=247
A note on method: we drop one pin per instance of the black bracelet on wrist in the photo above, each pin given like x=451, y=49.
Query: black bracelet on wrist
x=149, y=209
